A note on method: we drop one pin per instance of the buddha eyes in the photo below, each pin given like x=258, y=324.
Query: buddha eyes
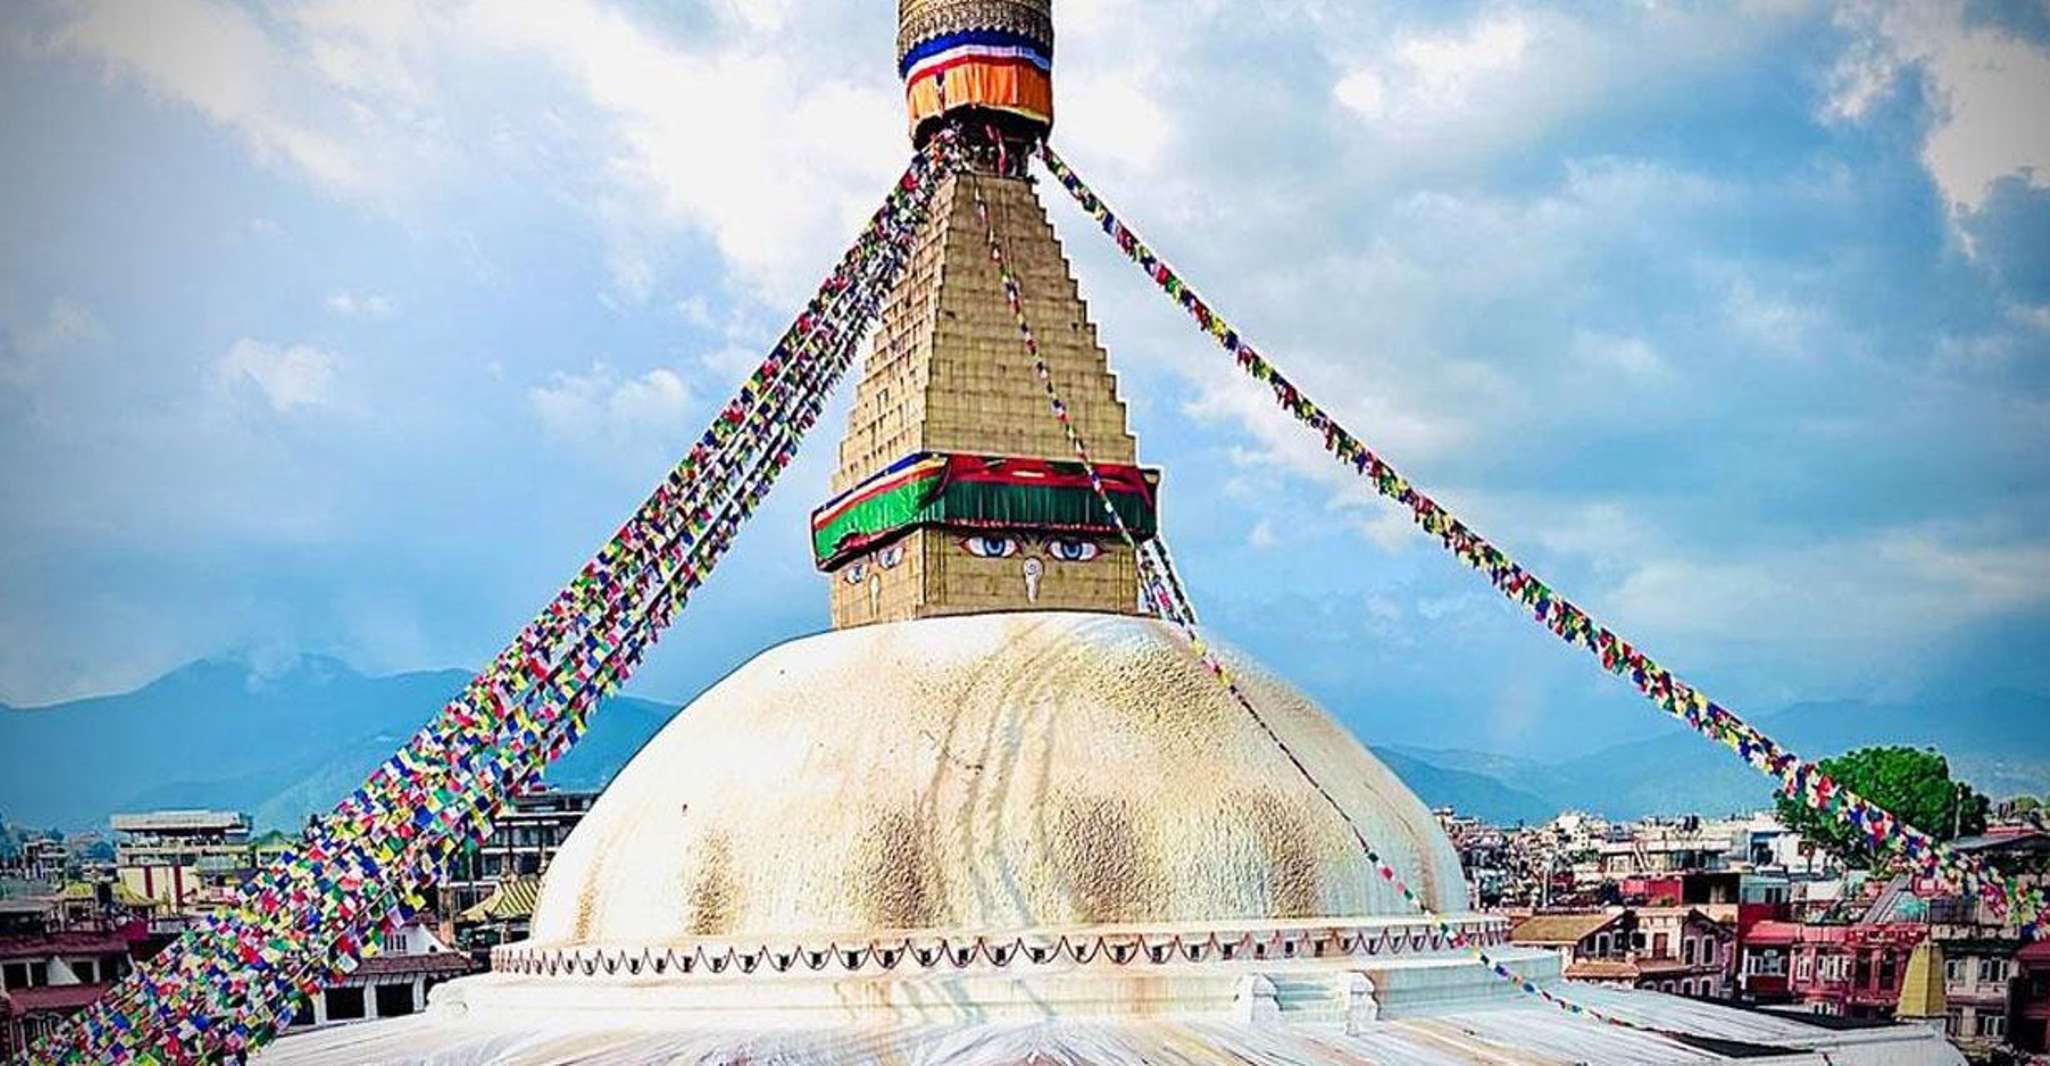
x=983, y=547
x=1073, y=551
x=888, y=559
x=1059, y=549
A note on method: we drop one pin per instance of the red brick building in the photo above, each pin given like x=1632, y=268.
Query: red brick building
x=1852, y=971
x=2028, y=1027
x=50, y=966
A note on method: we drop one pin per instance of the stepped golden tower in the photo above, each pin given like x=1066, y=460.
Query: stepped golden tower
x=957, y=491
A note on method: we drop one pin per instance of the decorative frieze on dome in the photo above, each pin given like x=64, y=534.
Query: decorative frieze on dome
x=919, y=21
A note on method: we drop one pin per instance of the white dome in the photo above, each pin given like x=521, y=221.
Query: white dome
x=986, y=774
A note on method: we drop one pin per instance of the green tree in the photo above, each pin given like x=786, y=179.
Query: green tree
x=1912, y=784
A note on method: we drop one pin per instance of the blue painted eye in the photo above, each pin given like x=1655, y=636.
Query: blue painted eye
x=1073, y=551
x=889, y=557
x=855, y=573
x=990, y=547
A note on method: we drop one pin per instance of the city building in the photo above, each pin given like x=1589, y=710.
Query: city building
x=489, y=893
x=1693, y=952
x=1579, y=938
x=186, y=860
x=500, y=918
x=1850, y=971
x=2028, y=1027
x=56, y=957
x=1678, y=950
x=1657, y=847
x=1978, y=983
x=45, y=859
x=390, y=984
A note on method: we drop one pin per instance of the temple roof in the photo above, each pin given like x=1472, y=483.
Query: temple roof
x=1561, y=928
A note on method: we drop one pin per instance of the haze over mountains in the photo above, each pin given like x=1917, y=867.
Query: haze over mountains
x=284, y=742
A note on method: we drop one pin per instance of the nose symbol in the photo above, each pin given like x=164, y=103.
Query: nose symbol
x=1034, y=570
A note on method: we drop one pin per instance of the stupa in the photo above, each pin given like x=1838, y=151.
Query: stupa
x=996, y=813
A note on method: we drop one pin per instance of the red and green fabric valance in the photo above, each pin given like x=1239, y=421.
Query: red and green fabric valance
x=981, y=492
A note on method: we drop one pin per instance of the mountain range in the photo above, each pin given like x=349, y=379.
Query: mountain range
x=283, y=741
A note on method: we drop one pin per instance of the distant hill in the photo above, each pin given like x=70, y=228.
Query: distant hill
x=278, y=743
x=1469, y=793
x=1680, y=772
x=283, y=743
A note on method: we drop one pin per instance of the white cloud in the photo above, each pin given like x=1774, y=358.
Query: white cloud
x=366, y=305
x=1774, y=325
x=1507, y=76
x=1880, y=591
x=771, y=157
x=741, y=133
x=695, y=310
x=288, y=377
x=1988, y=90
x=1632, y=355
x=636, y=420
x=31, y=343
x=1428, y=78
x=1262, y=537
x=217, y=58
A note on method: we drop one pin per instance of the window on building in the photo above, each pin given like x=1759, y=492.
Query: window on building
x=345, y=1004
x=86, y=971
x=394, y=1000
x=1992, y=971
x=1993, y=1025
x=302, y=1012
x=1954, y=1022
x=1660, y=946
x=1889, y=970
x=1601, y=944
x=1687, y=950
x=14, y=975
x=1954, y=971
x=38, y=974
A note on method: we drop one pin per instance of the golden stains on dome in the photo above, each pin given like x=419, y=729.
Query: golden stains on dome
x=982, y=774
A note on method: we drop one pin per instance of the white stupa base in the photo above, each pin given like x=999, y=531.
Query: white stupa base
x=1430, y=1008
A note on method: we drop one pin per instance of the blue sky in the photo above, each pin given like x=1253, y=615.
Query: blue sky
x=353, y=327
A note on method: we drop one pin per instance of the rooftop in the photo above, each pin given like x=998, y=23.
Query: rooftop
x=1560, y=928
x=445, y=963
x=21, y=1001
x=186, y=821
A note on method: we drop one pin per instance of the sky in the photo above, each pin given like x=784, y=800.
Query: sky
x=353, y=327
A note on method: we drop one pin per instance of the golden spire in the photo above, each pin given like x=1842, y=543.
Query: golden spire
x=980, y=62
x=1922, y=992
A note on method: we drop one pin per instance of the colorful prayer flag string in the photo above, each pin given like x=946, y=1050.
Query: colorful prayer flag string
x=1797, y=777
x=1165, y=594
x=360, y=872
